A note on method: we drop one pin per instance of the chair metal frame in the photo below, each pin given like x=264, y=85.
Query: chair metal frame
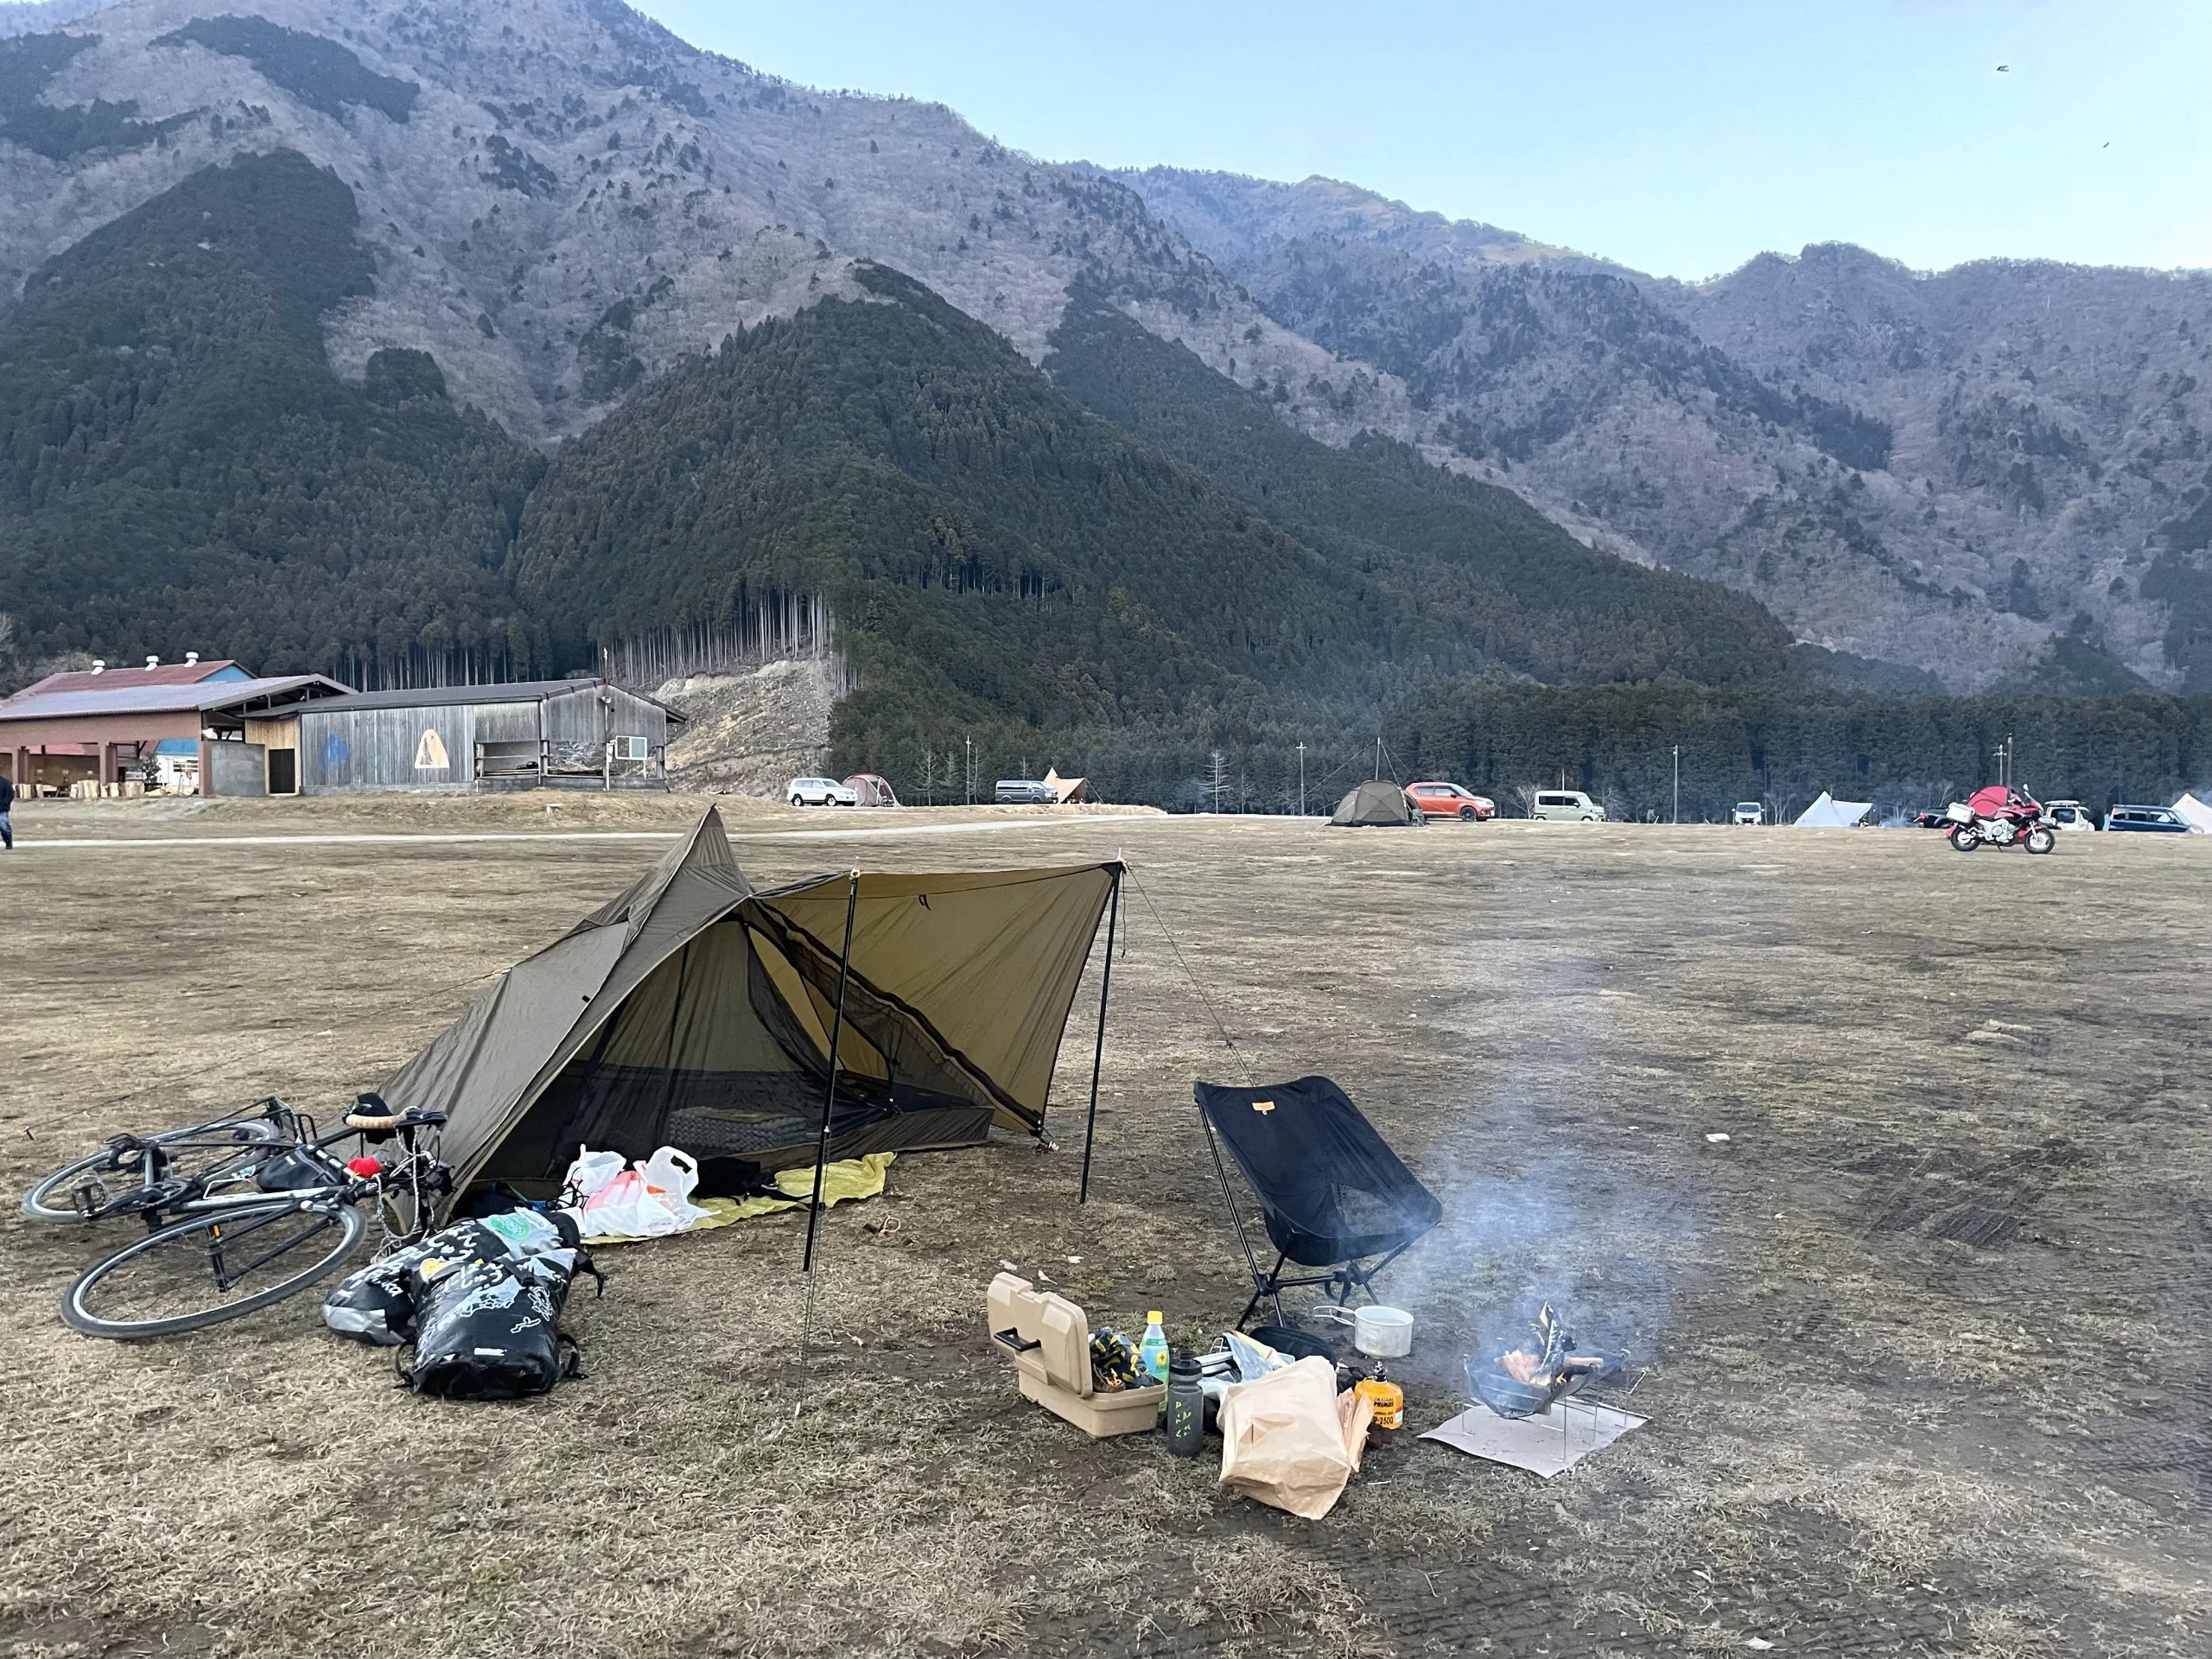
x=1269, y=1286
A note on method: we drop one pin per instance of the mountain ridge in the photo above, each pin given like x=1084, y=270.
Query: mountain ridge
x=562, y=200
x=2021, y=501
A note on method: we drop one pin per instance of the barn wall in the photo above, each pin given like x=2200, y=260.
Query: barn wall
x=506, y=722
x=233, y=768
x=342, y=750
x=387, y=748
x=574, y=734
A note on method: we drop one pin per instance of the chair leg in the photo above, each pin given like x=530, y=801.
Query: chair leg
x=1260, y=1287
x=1247, y=1314
x=1263, y=1288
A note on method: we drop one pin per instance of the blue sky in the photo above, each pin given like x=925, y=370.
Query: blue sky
x=1680, y=138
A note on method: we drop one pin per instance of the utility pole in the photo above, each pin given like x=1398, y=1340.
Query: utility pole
x=971, y=770
x=1301, y=780
x=1678, y=783
x=1220, y=778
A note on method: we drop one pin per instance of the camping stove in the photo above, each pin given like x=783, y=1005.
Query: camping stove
x=1543, y=1367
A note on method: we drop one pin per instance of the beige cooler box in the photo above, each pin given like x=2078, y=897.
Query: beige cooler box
x=1050, y=1341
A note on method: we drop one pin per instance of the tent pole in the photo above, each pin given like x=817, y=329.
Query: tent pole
x=822, y=1146
x=1098, y=1052
x=829, y=1095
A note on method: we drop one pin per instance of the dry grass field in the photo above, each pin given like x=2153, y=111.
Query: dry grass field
x=1923, y=1343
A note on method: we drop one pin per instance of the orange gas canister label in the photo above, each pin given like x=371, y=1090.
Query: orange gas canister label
x=1389, y=1402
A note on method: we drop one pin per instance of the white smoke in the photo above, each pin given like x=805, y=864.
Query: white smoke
x=1541, y=1203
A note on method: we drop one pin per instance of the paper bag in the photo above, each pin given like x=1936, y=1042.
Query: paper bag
x=1286, y=1442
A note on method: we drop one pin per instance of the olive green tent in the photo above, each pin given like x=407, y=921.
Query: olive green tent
x=1378, y=801
x=694, y=1011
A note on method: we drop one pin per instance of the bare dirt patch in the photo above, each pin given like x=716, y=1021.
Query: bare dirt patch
x=1922, y=1343
x=751, y=732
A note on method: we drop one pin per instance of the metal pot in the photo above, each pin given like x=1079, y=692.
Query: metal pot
x=1382, y=1333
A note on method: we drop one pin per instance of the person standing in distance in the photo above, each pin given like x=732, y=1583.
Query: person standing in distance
x=7, y=803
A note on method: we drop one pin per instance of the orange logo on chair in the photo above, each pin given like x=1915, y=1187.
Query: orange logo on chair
x=1263, y=1105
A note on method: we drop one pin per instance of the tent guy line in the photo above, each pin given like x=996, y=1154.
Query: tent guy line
x=589, y=835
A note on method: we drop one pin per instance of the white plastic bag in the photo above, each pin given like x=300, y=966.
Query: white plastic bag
x=650, y=1200
x=626, y=1208
x=673, y=1172
x=590, y=1172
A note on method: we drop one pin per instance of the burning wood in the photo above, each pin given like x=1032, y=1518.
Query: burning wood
x=1527, y=1378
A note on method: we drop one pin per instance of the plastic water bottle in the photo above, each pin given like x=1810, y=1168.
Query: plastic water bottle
x=1152, y=1352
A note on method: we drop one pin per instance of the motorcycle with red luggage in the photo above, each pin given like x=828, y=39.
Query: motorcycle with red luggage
x=1998, y=815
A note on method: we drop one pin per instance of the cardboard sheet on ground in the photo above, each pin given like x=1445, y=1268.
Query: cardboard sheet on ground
x=848, y=1178
x=1549, y=1443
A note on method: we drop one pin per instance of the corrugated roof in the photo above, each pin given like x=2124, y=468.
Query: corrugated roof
x=109, y=679
x=116, y=696
x=448, y=696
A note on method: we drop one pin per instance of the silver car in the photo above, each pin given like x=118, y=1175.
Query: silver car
x=820, y=791
x=1567, y=806
x=1748, y=812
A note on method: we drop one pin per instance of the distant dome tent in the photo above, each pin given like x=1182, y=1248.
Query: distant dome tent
x=1378, y=801
x=1828, y=813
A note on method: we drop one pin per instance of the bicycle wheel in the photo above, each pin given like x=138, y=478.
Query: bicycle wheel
x=201, y=1271
x=203, y=1148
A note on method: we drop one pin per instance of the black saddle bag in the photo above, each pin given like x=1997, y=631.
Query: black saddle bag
x=489, y=1329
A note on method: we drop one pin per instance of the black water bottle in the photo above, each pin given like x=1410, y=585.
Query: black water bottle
x=1184, y=1418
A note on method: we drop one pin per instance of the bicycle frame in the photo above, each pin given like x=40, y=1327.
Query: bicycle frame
x=226, y=1276
x=198, y=1196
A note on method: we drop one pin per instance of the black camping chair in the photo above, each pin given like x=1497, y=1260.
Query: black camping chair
x=1334, y=1193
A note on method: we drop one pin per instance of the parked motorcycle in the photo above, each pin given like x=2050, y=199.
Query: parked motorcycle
x=2000, y=817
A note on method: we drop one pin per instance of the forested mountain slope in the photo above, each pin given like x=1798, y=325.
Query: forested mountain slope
x=1945, y=470
x=1482, y=563
x=1992, y=474
x=560, y=197
x=996, y=555
x=180, y=469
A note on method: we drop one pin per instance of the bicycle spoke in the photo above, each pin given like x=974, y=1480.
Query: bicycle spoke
x=211, y=1150
x=211, y=1268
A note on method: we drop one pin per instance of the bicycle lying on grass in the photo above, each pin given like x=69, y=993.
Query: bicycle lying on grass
x=240, y=1213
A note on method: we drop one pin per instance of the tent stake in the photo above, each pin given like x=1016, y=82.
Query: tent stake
x=1098, y=1052
x=828, y=1106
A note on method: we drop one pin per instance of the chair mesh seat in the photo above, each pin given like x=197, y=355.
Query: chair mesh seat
x=1331, y=1191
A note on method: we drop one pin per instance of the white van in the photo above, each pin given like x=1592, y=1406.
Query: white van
x=1567, y=806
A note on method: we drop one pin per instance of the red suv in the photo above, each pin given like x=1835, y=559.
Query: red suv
x=1450, y=801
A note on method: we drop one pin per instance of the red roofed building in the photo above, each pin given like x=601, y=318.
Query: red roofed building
x=190, y=672
x=104, y=723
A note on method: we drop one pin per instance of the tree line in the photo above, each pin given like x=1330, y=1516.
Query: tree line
x=1783, y=745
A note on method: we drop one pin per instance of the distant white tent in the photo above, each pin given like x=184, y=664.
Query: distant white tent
x=2198, y=814
x=1828, y=813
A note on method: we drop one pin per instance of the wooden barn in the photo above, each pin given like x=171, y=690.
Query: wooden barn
x=560, y=734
